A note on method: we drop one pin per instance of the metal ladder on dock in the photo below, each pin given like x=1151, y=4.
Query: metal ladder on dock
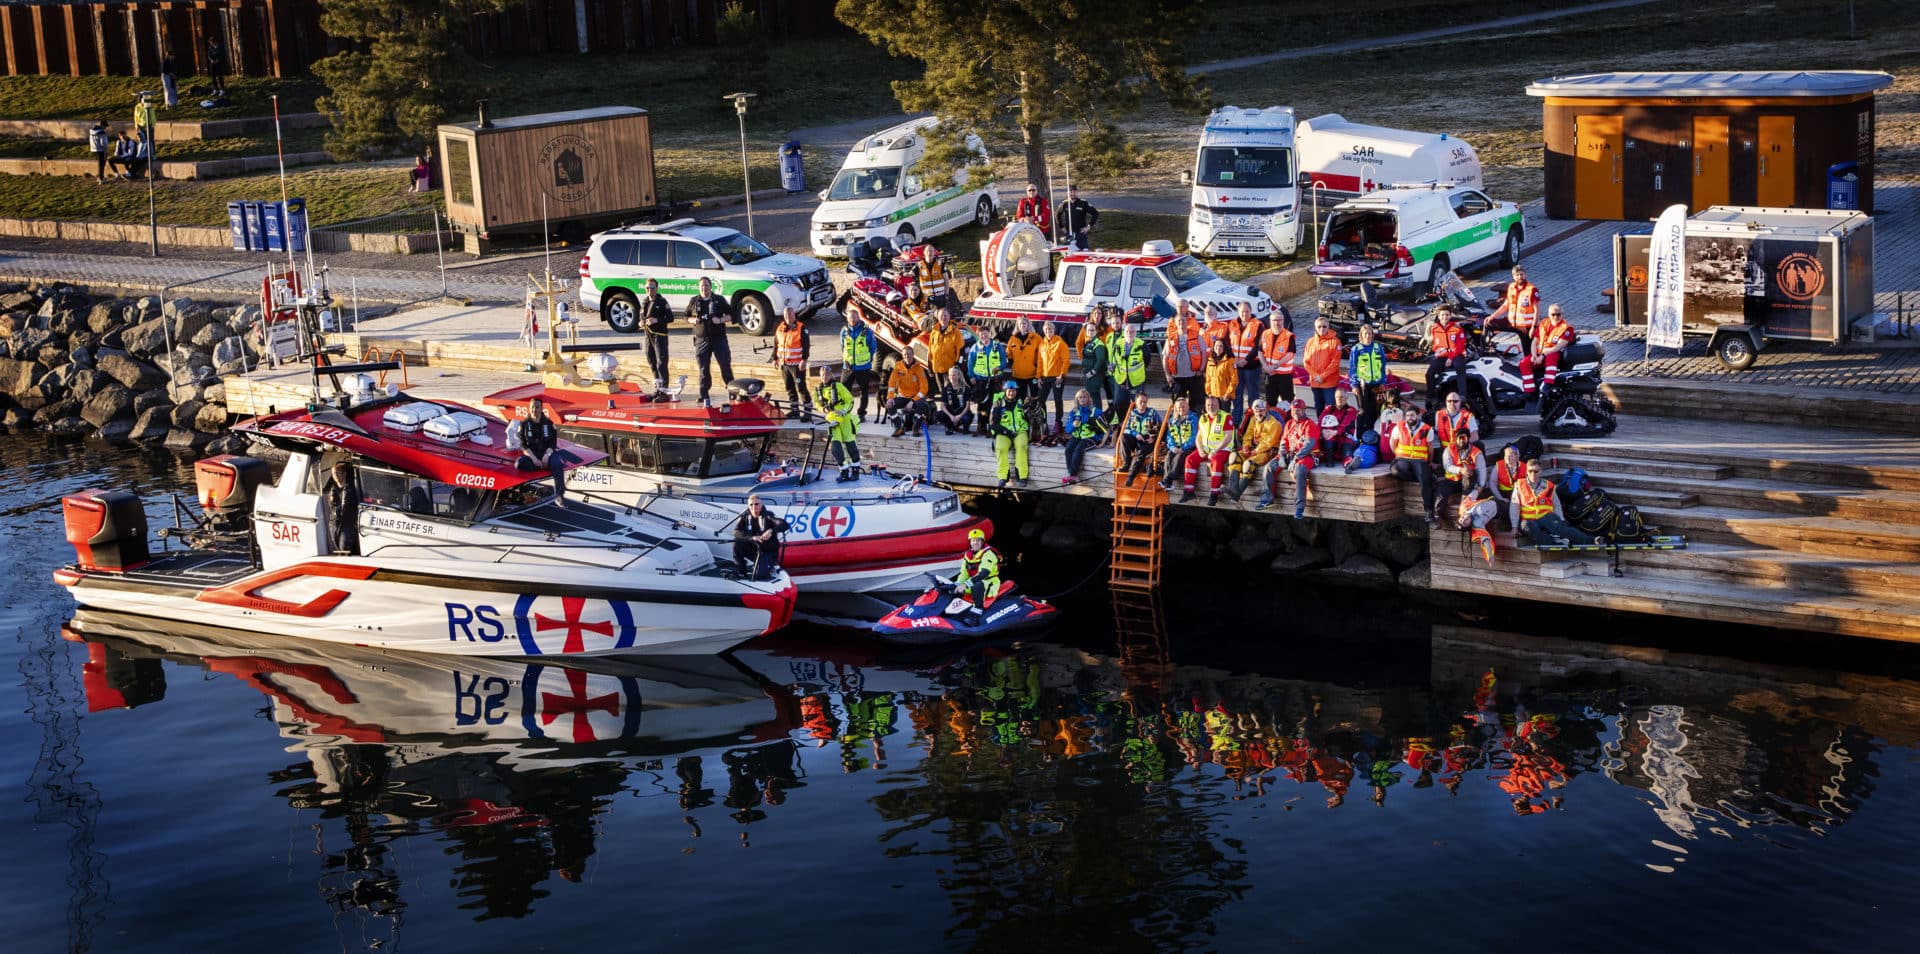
x=1139, y=526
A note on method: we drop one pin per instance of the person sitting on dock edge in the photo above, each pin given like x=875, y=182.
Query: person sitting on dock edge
x=756, y=539
x=1137, y=433
x=1463, y=470
x=1213, y=444
x=1182, y=427
x=1535, y=512
x=909, y=394
x=1259, y=442
x=843, y=428
x=955, y=412
x=1086, y=428
x=1412, y=445
x=1299, y=450
x=1007, y=422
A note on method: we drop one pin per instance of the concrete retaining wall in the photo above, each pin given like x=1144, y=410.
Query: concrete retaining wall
x=198, y=236
x=76, y=129
x=210, y=169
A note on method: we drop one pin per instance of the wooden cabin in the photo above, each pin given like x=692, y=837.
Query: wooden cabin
x=568, y=172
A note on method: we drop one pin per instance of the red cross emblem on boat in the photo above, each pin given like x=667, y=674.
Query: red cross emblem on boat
x=534, y=618
x=577, y=705
x=831, y=521
x=572, y=607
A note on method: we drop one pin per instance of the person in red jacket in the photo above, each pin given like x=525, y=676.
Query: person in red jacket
x=1035, y=210
x=1448, y=344
x=1339, y=428
x=1551, y=338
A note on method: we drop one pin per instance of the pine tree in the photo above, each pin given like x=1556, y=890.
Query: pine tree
x=1027, y=64
x=402, y=66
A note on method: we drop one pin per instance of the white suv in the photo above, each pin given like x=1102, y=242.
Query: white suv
x=759, y=282
x=1412, y=236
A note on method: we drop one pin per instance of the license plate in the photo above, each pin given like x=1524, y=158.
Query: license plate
x=823, y=293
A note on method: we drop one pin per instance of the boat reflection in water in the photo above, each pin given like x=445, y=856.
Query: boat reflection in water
x=1043, y=779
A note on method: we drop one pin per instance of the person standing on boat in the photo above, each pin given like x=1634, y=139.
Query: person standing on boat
x=540, y=447
x=656, y=317
x=343, y=512
x=756, y=539
x=710, y=315
x=793, y=346
x=843, y=428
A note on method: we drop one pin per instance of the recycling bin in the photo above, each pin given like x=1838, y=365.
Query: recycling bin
x=276, y=238
x=296, y=225
x=1843, y=186
x=793, y=170
x=237, y=225
x=256, y=225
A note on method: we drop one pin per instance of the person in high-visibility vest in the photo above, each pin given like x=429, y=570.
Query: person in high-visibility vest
x=1276, y=361
x=1086, y=429
x=915, y=302
x=909, y=394
x=1137, y=433
x=1535, y=511
x=979, y=577
x=986, y=365
x=1054, y=359
x=1023, y=357
x=1095, y=350
x=1448, y=344
x=945, y=342
x=932, y=272
x=1185, y=354
x=1213, y=443
x=1259, y=442
x=1322, y=359
x=1247, y=333
x=1300, y=450
x=1007, y=422
x=858, y=348
x=1412, y=444
x=1127, y=368
x=1367, y=371
x=792, y=346
x=1552, y=336
x=1182, y=427
x=1507, y=473
x=1463, y=469
x=843, y=427
x=1477, y=510
x=1518, y=312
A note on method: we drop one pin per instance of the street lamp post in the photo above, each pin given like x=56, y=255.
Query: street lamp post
x=746, y=180
x=153, y=165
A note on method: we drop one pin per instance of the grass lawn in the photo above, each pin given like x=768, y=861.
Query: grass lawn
x=112, y=97
x=332, y=194
x=1237, y=28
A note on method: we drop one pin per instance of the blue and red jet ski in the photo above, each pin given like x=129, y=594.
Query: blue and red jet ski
x=942, y=616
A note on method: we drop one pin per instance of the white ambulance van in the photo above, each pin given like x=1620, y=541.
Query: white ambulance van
x=879, y=194
x=1344, y=159
x=1246, y=197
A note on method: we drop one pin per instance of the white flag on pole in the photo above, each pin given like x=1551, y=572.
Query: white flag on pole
x=1667, y=278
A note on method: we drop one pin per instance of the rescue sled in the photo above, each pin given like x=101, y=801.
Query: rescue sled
x=942, y=616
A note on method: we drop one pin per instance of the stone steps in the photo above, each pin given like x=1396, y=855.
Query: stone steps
x=1752, y=462
x=1801, y=500
x=1898, y=585
x=1848, y=538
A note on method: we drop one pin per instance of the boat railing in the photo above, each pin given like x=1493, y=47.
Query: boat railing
x=546, y=550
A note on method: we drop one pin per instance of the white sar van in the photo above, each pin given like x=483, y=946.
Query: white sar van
x=879, y=194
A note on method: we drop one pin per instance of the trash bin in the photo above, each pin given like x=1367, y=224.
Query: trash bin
x=296, y=225
x=276, y=238
x=1843, y=186
x=793, y=171
x=256, y=226
x=237, y=224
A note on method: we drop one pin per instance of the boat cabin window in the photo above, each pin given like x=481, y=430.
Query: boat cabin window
x=736, y=455
x=589, y=439
x=681, y=456
x=634, y=453
x=523, y=495
x=392, y=490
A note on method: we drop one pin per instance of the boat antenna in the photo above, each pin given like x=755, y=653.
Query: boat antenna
x=280, y=148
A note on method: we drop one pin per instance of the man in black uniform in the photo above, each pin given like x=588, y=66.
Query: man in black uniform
x=1076, y=219
x=756, y=539
x=656, y=316
x=710, y=315
x=343, y=512
x=539, y=447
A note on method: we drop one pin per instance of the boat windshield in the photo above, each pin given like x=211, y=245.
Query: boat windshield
x=736, y=455
x=875, y=183
x=1186, y=273
x=406, y=493
x=739, y=248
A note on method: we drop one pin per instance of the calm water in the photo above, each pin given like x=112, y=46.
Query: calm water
x=1352, y=773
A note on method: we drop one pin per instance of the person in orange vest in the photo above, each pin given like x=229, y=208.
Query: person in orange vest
x=1213, y=444
x=1248, y=331
x=1509, y=471
x=909, y=393
x=945, y=342
x=1455, y=418
x=1050, y=371
x=1223, y=373
x=1299, y=452
x=1535, y=511
x=1447, y=342
x=792, y=347
x=1276, y=360
x=1217, y=328
x=1412, y=444
x=1463, y=468
x=1322, y=359
x=1023, y=357
x=1477, y=510
x=1518, y=312
x=1551, y=338
x=1186, y=354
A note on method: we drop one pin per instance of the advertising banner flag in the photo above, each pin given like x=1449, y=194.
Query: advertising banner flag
x=1667, y=278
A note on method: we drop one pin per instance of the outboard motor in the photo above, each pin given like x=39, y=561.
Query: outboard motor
x=108, y=529
x=225, y=487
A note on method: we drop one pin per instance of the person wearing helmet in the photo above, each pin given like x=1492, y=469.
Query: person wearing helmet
x=1007, y=422
x=843, y=426
x=979, y=570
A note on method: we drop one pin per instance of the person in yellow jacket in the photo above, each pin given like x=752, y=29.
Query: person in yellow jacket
x=1223, y=373
x=1050, y=370
x=945, y=342
x=843, y=425
x=1007, y=422
x=1259, y=441
x=979, y=576
x=1023, y=357
x=909, y=394
x=1213, y=445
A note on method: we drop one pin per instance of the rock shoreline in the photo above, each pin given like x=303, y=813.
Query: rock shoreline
x=122, y=370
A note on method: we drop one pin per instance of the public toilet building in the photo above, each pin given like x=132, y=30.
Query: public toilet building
x=1627, y=145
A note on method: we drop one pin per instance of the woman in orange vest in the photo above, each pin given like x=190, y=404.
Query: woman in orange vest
x=1508, y=472
x=1276, y=360
x=1535, y=511
x=1050, y=370
x=1322, y=359
x=1412, y=445
x=1463, y=468
x=1551, y=338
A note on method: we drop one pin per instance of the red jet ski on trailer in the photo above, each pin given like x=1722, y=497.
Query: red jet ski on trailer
x=698, y=464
